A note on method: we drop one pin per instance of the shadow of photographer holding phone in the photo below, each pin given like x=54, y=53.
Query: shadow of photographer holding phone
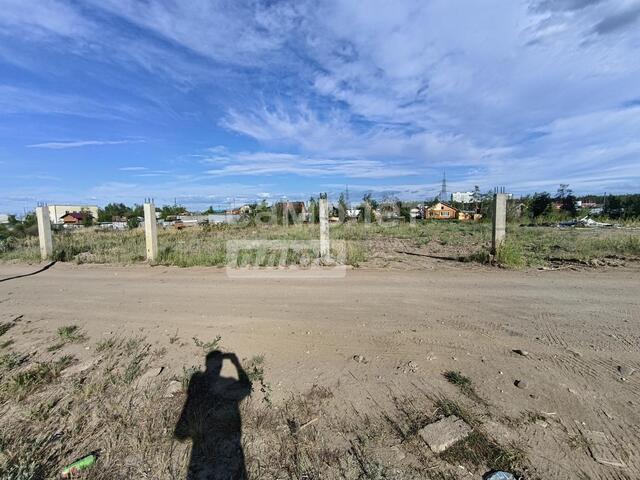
x=211, y=419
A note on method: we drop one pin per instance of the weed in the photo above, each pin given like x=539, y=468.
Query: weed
x=448, y=407
x=174, y=338
x=5, y=326
x=104, y=345
x=132, y=345
x=187, y=373
x=208, y=346
x=255, y=372
x=458, y=379
x=463, y=383
x=26, y=381
x=510, y=254
x=70, y=333
x=533, y=417
x=6, y=344
x=42, y=411
x=56, y=346
x=134, y=368
x=478, y=450
x=9, y=361
x=576, y=442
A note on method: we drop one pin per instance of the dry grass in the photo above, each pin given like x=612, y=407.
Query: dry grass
x=206, y=246
x=61, y=417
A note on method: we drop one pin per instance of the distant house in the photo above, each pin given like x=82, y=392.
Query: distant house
x=582, y=204
x=442, y=211
x=56, y=212
x=4, y=218
x=75, y=218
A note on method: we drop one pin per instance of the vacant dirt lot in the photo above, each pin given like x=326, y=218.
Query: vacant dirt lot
x=406, y=328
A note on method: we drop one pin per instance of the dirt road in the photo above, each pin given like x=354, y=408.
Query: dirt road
x=410, y=327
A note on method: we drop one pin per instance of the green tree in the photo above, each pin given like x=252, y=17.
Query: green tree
x=133, y=222
x=566, y=199
x=87, y=218
x=112, y=210
x=367, y=207
x=631, y=206
x=171, y=211
x=612, y=207
x=314, y=210
x=540, y=204
x=342, y=208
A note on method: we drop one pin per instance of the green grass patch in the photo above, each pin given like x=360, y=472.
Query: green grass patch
x=11, y=360
x=104, y=345
x=511, y=255
x=70, y=333
x=26, y=381
x=479, y=449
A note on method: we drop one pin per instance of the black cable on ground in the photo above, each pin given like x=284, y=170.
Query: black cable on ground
x=46, y=267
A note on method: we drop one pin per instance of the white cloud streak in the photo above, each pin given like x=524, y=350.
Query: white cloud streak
x=79, y=143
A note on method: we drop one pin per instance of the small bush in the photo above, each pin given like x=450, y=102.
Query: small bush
x=510, y=255
x=70, y=333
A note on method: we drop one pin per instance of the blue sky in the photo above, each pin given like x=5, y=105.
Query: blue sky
x=207, y=101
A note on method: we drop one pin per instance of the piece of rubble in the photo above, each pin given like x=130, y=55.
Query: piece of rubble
x=79, y=368
x=601, y=449
x=521, y=384
x=360, y=359
x=174, y=388
x=625, y=372
x=147, y=377
x=523, y=353
x=444, y=433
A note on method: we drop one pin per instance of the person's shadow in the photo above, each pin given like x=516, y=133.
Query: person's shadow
x=211, y=419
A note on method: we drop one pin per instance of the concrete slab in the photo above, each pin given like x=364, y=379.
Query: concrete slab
x=444, y=433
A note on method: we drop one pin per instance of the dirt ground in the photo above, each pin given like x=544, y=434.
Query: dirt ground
x=408, y=326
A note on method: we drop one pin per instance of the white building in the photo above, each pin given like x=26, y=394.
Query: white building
x=57, y=211
x=4, y=218
x=462, y=197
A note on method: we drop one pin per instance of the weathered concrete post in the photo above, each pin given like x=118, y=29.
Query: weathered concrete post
x=44, y=232
x=323, y=205
x=499, y=223
x=151, y=230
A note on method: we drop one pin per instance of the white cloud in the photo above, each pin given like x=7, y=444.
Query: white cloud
x=132, y=169
x=79, y=143
x=269, y=163
x=523, y=93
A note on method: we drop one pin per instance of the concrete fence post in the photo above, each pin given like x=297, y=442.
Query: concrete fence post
x=151, y=231
x=499, y=222
x=324, y=227
x=44, y=232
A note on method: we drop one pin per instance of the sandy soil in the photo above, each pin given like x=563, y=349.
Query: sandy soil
x=410, y=326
